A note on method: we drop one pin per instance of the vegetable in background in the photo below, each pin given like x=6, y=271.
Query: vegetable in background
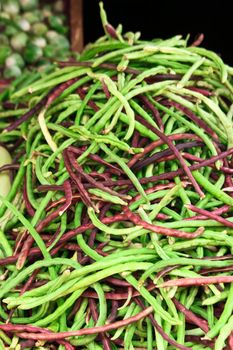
x=11, y=7
x=28, y=27
x=5, y=182
x=28, y=5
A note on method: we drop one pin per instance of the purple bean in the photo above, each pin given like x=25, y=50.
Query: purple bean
x=149, y=105
x=160, y=329
x=173, y=148
x=27, y=331
x=193, y=117
x=45, y=101
x=210, y=215
x=191, y=317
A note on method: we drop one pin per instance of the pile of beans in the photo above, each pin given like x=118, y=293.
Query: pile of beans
x=116, y=229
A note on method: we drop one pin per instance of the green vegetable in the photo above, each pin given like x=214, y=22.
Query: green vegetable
x=19, y=41
x=58, y=41
x=47, y=11
x=32, y=53
x=52, y=36
x=49, y=50
x=4, y=53
x=5, y=159
x=56, y=23
x=40, y=42
x=4, y=15
x=10, y=30
x=11, y=7
x=24, y=24
x=32, y=17
x=12, y=72
x=39, y=29
x=36, y=31
x=3, y=40
x=14, y=59
x=59, y=6
x=29, y=4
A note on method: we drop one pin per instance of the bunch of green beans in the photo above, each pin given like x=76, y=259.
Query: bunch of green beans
x=116, y=230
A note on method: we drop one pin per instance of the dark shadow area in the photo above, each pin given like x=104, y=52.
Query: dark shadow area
x=163, y=19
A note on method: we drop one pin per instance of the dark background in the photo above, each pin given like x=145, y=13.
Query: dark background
x=166, y=18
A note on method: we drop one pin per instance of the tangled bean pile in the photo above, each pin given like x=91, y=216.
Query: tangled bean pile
x=116, y=229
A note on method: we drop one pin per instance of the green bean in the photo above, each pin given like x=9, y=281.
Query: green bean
x=204, y=202
x=7, y=114
x=182, y=193
x=190, y=125
x=53, y=156
x=129, y=312
x=60, y=310
x=217, y=193
x=159, y=339
x=169, y=303
x=149, y=335
x=35, y=317
x=182, y=261
x=126, y=169
x=107, y=229
x=74, y=285
x=198, y=310
x=207, y=118
x=63, y=225
x=210, y=315
x=216, y=298
x=51, y=80
x=165, y=201
x=29, y=186
x=154, y=237
x=73, y=87
x=141, y=128
x=70, y=110
x=80, y=314
x=214, y=57
x=152, y=301
x=192, y=243
x=110, y=55
x=80, y=240
x=85, y=101
x=104, y=112
x=223, y=334
x=38, y=167
x=26, y=272
x=106, y=196
x=150, y=196
x=5, y=338
x=181, y=327
x=5, y=244
x=215, y=108
x=224, y=316
x=114, y=91
x=142, y=112
x=171, y=213
x=29, y=227
x=190, y=72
